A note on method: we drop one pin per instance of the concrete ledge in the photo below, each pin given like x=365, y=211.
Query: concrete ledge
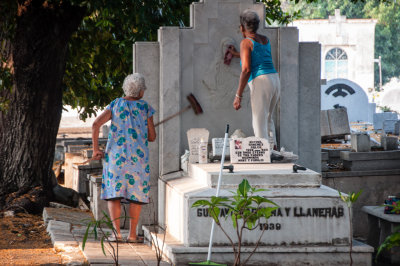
x=378, y=212
x=259, y=175
x=361, y=173
x=300, y=255
x=366, y=156
x=368, y=165
x=58, y=226
x=333, y=152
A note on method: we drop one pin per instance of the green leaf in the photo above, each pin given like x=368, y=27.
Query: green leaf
x=234, y=217
x=214, y=213
x=244, y=187
x=85, y=236
x=355, y=197
x=267, y=211
x=95, y=231
x=102, y=245
x=259, y=200
x=200, y=203
x=391, y=241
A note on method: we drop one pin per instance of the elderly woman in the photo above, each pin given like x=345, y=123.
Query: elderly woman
x=126, y=171
x=259, y=72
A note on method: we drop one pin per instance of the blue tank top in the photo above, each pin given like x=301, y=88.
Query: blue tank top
x=261, y=60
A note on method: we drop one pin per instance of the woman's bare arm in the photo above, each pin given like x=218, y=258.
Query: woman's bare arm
x=100, y=120
x=151, y=129
x=245, y=56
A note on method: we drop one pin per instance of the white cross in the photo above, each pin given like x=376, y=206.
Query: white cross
x=338, y=20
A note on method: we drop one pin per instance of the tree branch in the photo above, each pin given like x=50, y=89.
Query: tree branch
x=255, y=248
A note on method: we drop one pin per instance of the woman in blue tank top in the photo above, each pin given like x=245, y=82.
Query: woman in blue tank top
x=259, y=73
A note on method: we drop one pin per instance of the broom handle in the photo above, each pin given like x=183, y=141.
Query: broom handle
x=217, y=194
x=172, y=116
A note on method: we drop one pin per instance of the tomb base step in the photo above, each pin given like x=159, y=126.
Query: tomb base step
x=306, y=216
x=259, y=175
x=297, y=255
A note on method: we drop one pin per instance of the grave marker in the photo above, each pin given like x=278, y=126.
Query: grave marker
x=334, y=123
x=195, y=135
x=250, y=150
x=217, y=146
x=360, y=142
x=388, y=125
x=379, y=118
x=397, y=128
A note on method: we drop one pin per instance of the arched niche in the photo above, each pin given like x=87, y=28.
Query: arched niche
x=344, y=92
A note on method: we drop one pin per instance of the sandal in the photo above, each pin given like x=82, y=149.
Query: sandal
x=137, y=240
x=115, y=239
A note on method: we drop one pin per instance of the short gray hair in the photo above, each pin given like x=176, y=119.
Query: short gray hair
x=133, y=84
x=249, y=20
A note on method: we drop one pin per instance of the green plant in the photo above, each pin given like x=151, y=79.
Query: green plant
x=349, y=200
x=105, y=221
x=385, y=108
x=246, y=211
x=392, y=240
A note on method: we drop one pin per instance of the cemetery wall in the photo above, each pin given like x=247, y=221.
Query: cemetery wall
x=376, y=186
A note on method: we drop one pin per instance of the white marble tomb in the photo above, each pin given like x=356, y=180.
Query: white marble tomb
x=309, y=213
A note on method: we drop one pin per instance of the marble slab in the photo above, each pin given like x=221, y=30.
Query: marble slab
x=260, y=175
x=306, y=216
x=389, y=126
x=217, y=146
x=249, y=150
x=292, y=255
x=379, y=119
x=195, y=135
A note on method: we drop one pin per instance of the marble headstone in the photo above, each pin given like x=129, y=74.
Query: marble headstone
x=360, y=142
x=217, y=146
x=250, y=150
x=388, y=125
x=334, y=122
x=195, y=135
x=397, y=128
x=379, y=118
x=338, y=121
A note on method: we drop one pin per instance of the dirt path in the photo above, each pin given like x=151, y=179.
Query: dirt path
x=24, y=241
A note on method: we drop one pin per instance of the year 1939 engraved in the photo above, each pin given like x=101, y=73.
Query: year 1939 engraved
x=270, y=226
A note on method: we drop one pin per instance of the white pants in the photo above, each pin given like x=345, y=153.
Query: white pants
x=265, y=91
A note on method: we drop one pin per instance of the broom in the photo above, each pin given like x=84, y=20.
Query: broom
x=208, y=261
x=194, y=104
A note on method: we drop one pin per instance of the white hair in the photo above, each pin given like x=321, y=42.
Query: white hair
x=249, y=20
x=133, y=84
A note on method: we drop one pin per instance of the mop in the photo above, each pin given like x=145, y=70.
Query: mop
x=209, y=262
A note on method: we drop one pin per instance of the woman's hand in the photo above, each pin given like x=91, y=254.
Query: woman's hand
x=233, y=51
x=236, y=103
x=97, y=154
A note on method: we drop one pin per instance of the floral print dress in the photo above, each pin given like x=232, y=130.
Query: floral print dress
x=126, y=170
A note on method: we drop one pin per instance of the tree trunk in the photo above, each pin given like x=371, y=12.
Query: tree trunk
x=29, y=127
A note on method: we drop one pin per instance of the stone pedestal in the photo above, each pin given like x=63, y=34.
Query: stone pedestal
x=380, y=226
x=365, y=161
x=360, y=142
x=311, y=222
x=389, y=143
x=334, y=123
x=379, y=119
x=70, y=160
x=80, y=172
